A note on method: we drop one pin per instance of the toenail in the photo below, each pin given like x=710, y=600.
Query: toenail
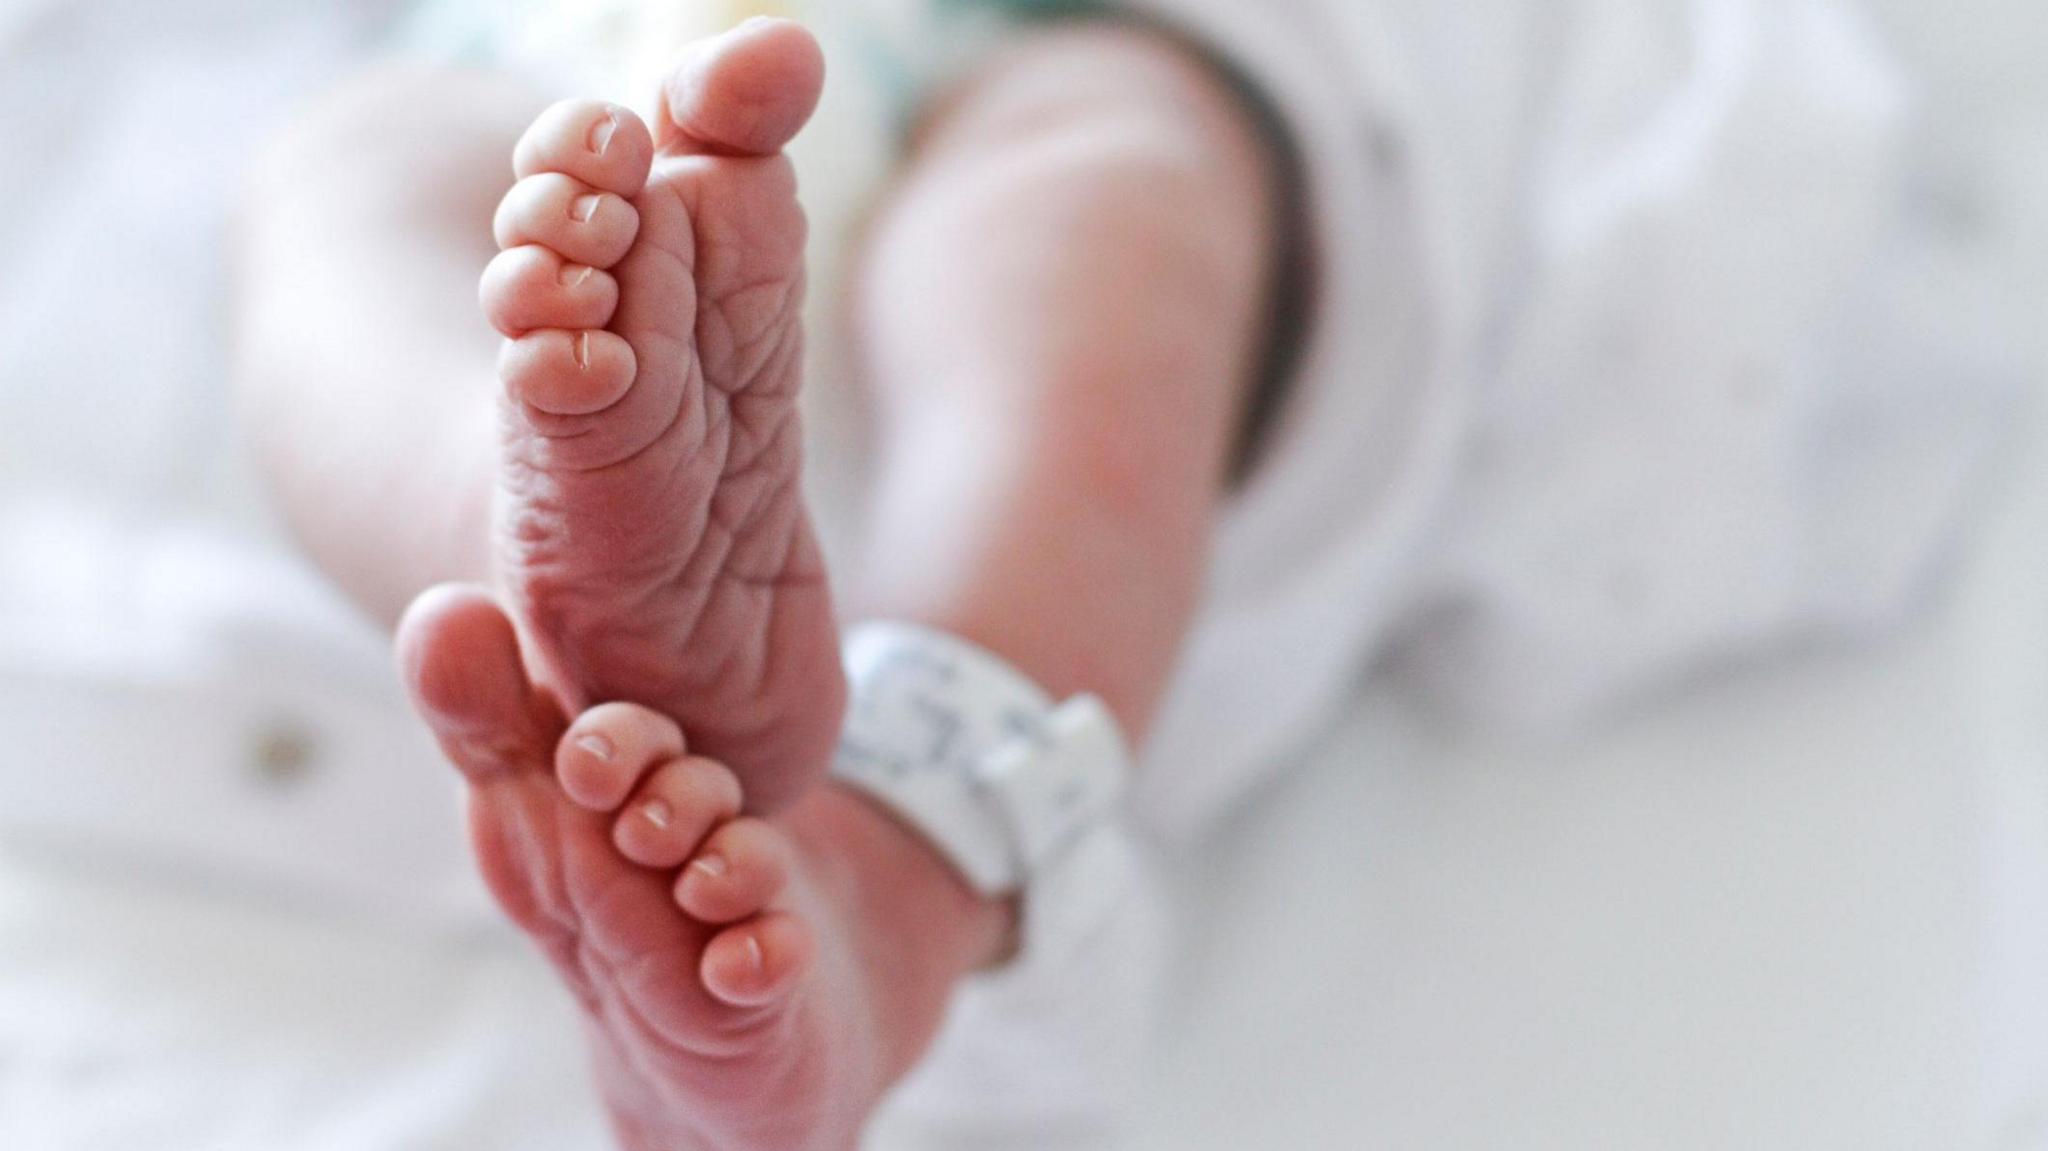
x=754, y=956
x=659, y=813
x=584, y=208
x=714, y=865
x=601, y=133
x=598, y=746
x=583, y=349
x=575, y=275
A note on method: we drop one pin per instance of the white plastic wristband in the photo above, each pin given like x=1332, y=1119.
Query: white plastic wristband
x=974, y=755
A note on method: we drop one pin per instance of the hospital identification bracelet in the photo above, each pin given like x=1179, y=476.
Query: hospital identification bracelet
x=973, y=755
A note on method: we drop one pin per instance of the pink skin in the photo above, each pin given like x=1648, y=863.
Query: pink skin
x=1054, y=417
x=652, y=539
x=714, y=953
x=750, y=984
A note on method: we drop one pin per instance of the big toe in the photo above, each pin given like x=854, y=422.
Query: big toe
x=460, y=659
x=747, y=92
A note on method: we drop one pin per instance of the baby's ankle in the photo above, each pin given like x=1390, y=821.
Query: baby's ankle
x=938, y=929
x=905, y=878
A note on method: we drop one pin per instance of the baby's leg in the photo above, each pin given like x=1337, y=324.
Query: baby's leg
x=646, y=526
x=1056, y=415
x=1074, y=383
x=363, y=363
x=1063, y=305
x=1055, y=410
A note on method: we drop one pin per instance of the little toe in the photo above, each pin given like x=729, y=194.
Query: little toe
x=606, y=751
x=582, y=224
x=739, y=870
x=530, y=287
x=758, y=962
x=566, y=374
x=601, y=144
x=675, y=808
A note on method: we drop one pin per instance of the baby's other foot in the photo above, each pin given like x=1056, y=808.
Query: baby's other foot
x=750, y=985
x=652, y=532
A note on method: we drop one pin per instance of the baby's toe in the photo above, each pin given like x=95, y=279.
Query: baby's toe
x=581, y=223
x=739, y=870
x=606, y=751
x=530, y=287
x=460, y=658
x=757, y=962
x=601, y=144
x=560, y=376
x=674, y=810
x=744, y=93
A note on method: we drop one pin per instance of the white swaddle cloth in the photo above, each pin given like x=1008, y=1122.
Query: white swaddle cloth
x=1639, y=349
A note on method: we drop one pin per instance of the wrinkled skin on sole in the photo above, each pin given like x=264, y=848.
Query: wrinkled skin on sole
x=651, y=534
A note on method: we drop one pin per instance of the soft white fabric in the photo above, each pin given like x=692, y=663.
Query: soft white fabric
x=150, y=609
x=142, y=1007
x=1797, y=909
x=1630, y=358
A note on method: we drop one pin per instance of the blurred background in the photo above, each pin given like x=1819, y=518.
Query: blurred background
x=1794, y=897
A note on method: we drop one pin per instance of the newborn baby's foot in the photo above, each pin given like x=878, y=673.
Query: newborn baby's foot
x=653, y=537
x=749, y=984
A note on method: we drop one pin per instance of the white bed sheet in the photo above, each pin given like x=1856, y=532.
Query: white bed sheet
x=1803, y=906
